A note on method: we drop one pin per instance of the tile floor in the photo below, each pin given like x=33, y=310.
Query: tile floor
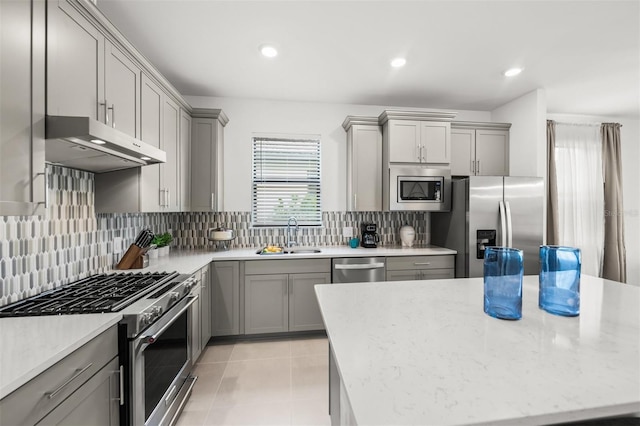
x=265, y=382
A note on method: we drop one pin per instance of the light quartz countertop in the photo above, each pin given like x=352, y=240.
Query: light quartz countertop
x=30, y=345
x=189, y=261
x=424, y=352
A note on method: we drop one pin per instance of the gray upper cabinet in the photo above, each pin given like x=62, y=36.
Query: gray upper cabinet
x=75, y=63
x=22, y=108
x=170, y=171
x=158, y=187
x=225, y=296
x=416, y=138
x=185, y=161
x=207, y=159
x=480, y=149
x=87, y=74
x=364, y=163
x=122, y=91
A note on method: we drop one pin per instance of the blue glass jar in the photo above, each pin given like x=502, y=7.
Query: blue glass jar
x=503, y=272
x=560, y=280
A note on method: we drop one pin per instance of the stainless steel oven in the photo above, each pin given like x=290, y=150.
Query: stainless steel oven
x=154, y=341
x=155, y=350
x=418, y=188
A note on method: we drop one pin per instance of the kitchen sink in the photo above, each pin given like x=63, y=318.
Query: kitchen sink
x=304, y=250
x=291, y=250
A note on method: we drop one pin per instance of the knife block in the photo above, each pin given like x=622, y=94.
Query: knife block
x=132, y=259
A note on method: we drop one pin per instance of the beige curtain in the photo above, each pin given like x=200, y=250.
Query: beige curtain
x=552, y=186
x=615, y=260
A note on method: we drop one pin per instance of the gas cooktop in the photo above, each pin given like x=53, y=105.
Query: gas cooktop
x=95, y=294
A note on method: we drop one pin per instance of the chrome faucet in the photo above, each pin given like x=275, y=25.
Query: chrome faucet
x=292, y=241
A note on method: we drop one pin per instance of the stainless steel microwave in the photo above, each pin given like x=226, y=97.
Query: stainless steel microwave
x=418, y=188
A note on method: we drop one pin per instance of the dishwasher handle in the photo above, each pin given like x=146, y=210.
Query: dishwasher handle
x=376, y=265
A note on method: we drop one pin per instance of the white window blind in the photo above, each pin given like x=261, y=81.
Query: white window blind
x=286, y=181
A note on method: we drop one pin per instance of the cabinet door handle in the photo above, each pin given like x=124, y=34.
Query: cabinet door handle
x=213, y=201
x=420, y=154
x=473, y=167
x=423, y=154
x=422, y=263
x=120, y=373
x=168, y=197
x=113, y=115
x=355, y=201
x=106, y=113
x=478, y=167
x=78, y=372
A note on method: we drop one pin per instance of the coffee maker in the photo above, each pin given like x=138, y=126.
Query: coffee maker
x=369, y=235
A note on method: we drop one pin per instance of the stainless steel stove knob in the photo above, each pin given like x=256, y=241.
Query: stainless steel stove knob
x=146, y=318
x=157, y=310
x=174, y=295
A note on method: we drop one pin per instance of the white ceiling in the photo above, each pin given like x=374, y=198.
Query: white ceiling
x=585, y=54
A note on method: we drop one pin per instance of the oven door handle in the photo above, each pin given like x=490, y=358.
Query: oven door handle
x=147, y=340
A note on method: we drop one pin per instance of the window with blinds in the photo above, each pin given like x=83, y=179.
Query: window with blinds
x=286, y=181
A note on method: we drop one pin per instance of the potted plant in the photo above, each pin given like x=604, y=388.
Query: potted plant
x=162, y=241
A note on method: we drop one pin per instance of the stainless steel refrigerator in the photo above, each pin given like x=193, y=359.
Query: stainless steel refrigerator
x=491, y=211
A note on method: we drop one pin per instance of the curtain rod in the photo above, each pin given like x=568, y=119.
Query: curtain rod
x=581, y=124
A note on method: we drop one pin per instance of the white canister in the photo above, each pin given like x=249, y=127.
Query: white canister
x=407, y=235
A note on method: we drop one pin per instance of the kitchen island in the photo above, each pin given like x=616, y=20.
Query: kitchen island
x=424, y=352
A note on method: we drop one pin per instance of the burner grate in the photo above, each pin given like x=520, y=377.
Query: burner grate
x=95, y=294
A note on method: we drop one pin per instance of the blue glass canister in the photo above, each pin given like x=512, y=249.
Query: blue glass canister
x=560, y=280
x=503, y=272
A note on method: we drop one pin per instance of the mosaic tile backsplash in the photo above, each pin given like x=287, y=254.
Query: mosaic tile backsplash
x=71, y=242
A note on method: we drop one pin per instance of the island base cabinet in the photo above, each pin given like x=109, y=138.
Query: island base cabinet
x=339, y=406
x=95, y=403
x=225, y=298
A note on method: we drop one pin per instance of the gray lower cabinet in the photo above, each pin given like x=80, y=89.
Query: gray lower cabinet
x=304, y=312
x=279, y=295
x=266, y=303
x=225, y=298
x=409, y=268
x=205, y=307
x=82, y=388
x=94, y=403
x=196, y=314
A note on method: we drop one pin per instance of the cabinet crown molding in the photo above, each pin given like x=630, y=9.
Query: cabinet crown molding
x=216, y=114
x=416, y=115
x=353, y=120
x=479, y=125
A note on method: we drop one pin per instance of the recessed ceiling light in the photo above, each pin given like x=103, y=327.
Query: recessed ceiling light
x=98, y=141
x=268, y=51
x=513, y=71
x=398, y=62
x=145, y=158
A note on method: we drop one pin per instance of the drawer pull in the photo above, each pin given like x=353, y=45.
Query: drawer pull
x=78, y=372
x=422, y=263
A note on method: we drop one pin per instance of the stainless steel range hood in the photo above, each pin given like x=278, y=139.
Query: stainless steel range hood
x=87, y=144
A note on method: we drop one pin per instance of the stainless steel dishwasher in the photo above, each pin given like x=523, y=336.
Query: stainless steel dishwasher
x=357, y=269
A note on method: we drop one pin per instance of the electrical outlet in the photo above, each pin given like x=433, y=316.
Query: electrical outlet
x=117, y=245
x=347, y=232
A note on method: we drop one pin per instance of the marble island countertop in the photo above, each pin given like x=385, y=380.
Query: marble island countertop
x=424, y=352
